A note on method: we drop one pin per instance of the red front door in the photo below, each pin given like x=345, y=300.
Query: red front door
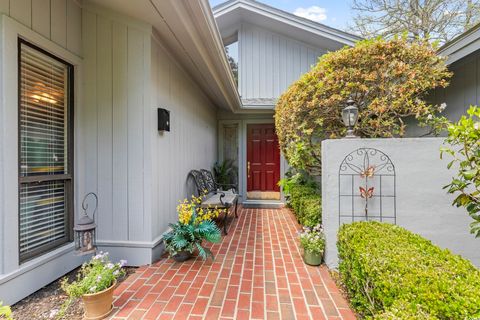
x=263, y=158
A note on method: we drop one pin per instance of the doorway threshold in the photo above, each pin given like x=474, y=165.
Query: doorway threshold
x=263, y=204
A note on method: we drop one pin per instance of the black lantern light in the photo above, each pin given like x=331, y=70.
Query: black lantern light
x=350, y=117
x=85, y=239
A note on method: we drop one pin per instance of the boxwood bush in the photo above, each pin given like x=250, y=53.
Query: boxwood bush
x=391, y=273
x=304, y=199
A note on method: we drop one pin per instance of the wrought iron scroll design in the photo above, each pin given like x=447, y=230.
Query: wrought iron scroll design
x=367, y=187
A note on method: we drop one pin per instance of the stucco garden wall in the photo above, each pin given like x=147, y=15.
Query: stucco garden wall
x=422, y=206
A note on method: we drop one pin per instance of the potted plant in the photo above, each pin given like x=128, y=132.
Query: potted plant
x=312, y=241
x=193, y=227
x=95, y=284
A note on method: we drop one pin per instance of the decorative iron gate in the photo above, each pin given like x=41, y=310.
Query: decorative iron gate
x=367, y=187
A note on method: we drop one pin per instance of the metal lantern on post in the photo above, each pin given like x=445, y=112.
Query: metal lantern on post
x=350, y=117
x=85, y=238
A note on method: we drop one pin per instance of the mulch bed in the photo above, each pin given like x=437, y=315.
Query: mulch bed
x=46, y=302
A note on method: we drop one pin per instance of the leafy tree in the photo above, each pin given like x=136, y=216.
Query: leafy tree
x=233, y=65
x=386, y=79
x=437, y=19
x=464, y=141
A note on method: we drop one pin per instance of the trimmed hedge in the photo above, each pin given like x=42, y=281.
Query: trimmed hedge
x=391, y=273
x=306, y=204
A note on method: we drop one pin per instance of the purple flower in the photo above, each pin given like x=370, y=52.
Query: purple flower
x=123, y=263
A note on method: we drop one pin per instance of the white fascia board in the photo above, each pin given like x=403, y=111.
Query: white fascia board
x=461, y=46
x=288, y=19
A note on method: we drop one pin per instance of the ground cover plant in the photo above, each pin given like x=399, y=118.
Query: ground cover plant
x=391, y=273
x=388, y=81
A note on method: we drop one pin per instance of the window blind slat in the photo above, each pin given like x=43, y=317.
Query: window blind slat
x=43, y=113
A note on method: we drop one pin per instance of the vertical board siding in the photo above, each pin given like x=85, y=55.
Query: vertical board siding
x=104, y=114
x=119, y=217
x=464, y=88
x=135, y=55
x=41, y=17
x=59, y=22
x=21, y=10
x=269, y=62
x=56, y=20
x=115, y=64
x=190, y=144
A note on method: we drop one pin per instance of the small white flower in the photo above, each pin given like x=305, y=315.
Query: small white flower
x=123, y=263
x=442, y=107
x=476, y=126
x=110, y=265
x=53, y=313
x=429, y=117
x=99, y=278
x=116, y=273
x=92, y=289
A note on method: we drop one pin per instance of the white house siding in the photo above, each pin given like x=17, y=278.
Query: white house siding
x=270, y=62
x=116, y=61
x=464, y=88
x=57, y=20
x=138, y=173
x=190, y=144
x=56, y=27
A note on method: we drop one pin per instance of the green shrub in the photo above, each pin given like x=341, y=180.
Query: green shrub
x=297, y=195
x=310, y=211
x=391, y=273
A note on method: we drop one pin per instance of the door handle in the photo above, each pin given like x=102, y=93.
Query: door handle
x=248, y=169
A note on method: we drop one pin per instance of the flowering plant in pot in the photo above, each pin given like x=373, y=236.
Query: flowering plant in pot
x=95, y=284
x=312, y=241
x=193, y=227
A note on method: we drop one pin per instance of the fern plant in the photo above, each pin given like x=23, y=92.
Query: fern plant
x=225, y=172
x=188, y=237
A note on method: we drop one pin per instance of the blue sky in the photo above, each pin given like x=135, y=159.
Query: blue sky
x=336, y=13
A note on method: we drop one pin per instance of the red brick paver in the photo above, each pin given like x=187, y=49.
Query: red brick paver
x=258, y=273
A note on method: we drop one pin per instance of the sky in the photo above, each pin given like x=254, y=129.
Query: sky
x=333, y=13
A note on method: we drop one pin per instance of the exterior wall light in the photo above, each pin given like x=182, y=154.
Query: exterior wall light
x=350, y=117
x=85, y=238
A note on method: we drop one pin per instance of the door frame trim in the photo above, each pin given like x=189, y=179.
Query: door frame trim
x=249, y=127
x=243, y=158
x=242, y=155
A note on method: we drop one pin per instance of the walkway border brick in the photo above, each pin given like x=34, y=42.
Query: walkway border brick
x=258, y=273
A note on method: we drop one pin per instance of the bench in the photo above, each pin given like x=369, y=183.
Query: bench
x=215, y=195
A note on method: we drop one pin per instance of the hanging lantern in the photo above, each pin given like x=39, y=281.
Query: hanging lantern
x=85, y=238
x=350, y=117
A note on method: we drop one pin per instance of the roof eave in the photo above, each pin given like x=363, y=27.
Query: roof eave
x=287, y=17
x=461, y=46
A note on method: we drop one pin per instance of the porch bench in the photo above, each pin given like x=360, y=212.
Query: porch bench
x=215, y=195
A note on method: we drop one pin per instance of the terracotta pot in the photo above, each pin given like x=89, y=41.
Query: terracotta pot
x=98, y=305
x=311, y=258
x=182, y=256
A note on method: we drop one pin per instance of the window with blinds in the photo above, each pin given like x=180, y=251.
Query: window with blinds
x=45, y=151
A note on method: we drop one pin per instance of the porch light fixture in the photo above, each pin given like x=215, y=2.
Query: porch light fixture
x=350, y=117
x=85, y=237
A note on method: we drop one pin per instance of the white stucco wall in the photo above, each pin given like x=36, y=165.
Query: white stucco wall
x=422, y=206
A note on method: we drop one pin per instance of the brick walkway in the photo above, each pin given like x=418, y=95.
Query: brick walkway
x=258, y=273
